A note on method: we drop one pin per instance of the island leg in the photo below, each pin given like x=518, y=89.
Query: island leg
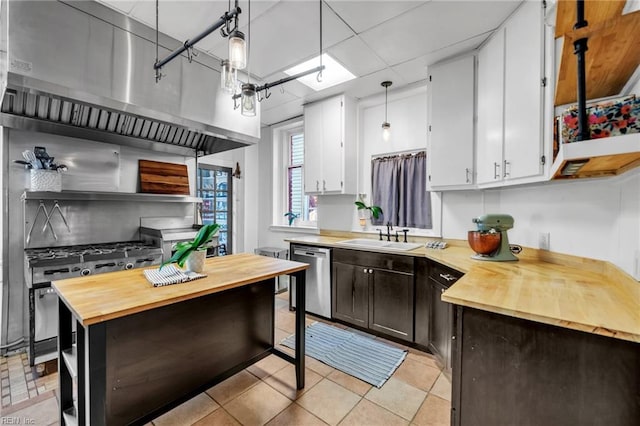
x=300, y=326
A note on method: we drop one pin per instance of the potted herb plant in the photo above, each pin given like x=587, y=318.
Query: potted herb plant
x=365, y=211
x=194, y=252
x=291, y=217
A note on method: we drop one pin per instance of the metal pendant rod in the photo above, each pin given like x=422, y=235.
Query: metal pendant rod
x=290, y=78
x=228, y=16
x=579, y=49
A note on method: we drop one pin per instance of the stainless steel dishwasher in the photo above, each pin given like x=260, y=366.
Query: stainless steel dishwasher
x=318, y=278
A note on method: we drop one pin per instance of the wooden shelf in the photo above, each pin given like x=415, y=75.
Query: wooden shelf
x=108, y=196
x=613, y=49
x=70, y=417
x=607, y=156
x=70, y=358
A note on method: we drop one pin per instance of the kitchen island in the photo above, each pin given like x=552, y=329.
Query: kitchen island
x=142, y=350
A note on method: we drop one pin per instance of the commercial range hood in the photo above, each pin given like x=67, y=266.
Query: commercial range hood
x=83, y=70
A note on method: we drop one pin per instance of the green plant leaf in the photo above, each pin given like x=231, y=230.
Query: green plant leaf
x=376, y=211
x=360, y=205
x=184, y=248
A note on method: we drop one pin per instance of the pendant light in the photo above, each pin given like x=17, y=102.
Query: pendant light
x=237, y=50
x=249, y=99
x=386, y=126
x=228, y=77
x=248, y=103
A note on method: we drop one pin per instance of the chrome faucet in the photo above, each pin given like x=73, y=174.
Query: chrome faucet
x=389, y=229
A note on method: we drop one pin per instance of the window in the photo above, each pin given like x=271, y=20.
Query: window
x=399, y=188
x=215, y=189
x=304, y=206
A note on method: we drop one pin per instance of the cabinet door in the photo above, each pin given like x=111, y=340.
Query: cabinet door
x=440, y=326
x=391, y=303
x=350, y=294
x=421, y=327
x=451, y=109
x=313, y=138
x=490, y=109
x=523, y=145
x=332, y=147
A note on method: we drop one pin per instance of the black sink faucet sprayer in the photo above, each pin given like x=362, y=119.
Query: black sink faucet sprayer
x=380, y=231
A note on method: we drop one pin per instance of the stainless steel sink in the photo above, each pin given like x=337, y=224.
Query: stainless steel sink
x=373, y=244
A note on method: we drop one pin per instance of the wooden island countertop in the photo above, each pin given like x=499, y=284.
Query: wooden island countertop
x=551, y=288
x=96, y=298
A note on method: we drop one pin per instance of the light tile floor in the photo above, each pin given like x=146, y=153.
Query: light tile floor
x=417, y=393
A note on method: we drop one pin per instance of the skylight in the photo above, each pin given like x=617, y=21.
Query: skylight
x=333, y=74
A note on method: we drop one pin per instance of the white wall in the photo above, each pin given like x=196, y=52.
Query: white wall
x=596, y=218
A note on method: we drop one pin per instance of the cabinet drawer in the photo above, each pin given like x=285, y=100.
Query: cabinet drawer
x=392, y=262
x=444, y=275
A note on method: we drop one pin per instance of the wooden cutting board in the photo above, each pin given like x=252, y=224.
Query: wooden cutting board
x=163, y=178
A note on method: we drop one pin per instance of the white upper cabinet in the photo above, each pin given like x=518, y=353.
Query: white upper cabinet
x=330, y=146
x=510, y=142
x=490, y=109
x=451, y=124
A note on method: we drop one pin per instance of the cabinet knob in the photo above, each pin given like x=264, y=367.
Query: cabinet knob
x=371, y=271
x=364, y=270
x=453, y=337
x=442, y=290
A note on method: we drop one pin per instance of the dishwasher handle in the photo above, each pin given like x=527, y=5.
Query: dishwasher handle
x=310, y=252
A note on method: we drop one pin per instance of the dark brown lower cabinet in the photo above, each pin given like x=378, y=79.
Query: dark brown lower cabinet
x=350, y=294
x=391, y=303
x=510, y=371
x=440, y=325
x=423, y=310
x=374, y=291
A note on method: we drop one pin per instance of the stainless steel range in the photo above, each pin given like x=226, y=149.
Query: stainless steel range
x=43, y=265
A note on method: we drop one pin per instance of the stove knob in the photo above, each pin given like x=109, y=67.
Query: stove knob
x=129, y=265
x=85, y=272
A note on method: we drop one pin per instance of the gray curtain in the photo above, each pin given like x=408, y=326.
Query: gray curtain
x=385, y=174
x=399, y=188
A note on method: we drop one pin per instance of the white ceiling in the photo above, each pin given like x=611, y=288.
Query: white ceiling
x=376, y=40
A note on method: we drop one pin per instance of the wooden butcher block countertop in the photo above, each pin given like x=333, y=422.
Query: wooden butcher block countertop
x=103, y=297
x=567, y=291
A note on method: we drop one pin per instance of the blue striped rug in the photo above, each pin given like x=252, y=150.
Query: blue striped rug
x=363, y=357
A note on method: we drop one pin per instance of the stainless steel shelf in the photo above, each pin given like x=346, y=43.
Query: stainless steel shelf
x=108, y=196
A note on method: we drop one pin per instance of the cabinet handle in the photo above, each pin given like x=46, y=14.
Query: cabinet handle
x=324, y=185
x=353, y=297
x=496, y=166
x=505, y=173
x=466, y=171
x=317, y=185
x=448, y=277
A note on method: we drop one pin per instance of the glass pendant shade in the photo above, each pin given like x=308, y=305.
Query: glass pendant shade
x=386, y=131
x=249, y=100
x=228, y=77
x=237, y=50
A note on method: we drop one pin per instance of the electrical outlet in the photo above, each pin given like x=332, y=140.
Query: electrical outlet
x=544, y=240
